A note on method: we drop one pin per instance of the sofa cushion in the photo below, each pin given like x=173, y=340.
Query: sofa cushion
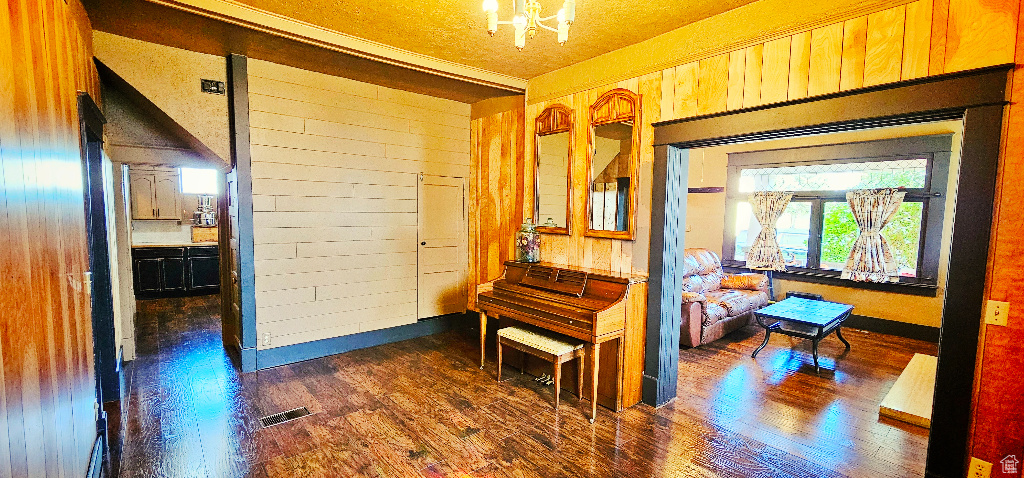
x=746, y=280
x=702, y=283
x=737, y=301
x=702, y=271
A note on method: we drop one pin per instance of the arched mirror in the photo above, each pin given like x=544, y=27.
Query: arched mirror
x=553, y=149
x=612, y=165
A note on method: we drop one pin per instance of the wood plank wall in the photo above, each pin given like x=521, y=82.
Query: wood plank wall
x=998, y=415
x=495, y=182
x=906, y=41
x=47, y=382
x=335, y=164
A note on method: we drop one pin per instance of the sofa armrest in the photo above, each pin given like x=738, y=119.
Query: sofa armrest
x=746, y=281
x=690, y=297
x=692, y=319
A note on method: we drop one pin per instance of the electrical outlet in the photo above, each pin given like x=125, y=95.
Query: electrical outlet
x=996, y=312
x=266, y=339
x=979, y=469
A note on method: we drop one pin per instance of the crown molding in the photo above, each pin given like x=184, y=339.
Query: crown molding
x=261, y=20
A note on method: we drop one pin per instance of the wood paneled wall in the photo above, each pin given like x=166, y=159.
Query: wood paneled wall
x=335, y=164
x=496, y=178
x=912, y=40
x=999, y=417
x=47, y=382
x=925, y=37
x=577, y=249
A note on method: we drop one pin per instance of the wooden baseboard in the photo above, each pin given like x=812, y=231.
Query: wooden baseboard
x=892, y=327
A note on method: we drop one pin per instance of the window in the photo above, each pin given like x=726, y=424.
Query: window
x=793, y=232
x=817, y=230
x=199, y=181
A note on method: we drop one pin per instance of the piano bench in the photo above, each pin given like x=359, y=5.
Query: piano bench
x=549, y=346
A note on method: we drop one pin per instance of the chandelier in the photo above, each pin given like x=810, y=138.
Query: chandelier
x=527, y=20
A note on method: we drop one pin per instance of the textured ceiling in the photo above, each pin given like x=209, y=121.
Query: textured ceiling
x=456, y=30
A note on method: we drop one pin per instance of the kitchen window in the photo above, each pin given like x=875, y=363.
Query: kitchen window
x=199, y=181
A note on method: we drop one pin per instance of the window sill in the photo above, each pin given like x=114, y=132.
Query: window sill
x=909, y=288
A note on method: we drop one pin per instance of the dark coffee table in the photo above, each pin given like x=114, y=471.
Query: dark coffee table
x=803, y=318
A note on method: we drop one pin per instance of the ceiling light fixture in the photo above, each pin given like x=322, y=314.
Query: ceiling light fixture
x=527, y=20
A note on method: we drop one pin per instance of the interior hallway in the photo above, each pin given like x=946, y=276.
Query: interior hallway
x=422, y=408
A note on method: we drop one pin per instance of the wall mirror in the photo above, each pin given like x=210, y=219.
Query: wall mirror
x=612, y=165
x=552, y=181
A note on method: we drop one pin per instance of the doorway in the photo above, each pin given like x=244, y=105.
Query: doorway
x=96, y=192
x=975, y=97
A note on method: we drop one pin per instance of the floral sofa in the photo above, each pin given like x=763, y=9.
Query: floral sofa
x=716, y=303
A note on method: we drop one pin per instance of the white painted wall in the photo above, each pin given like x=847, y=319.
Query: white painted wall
x=170, y=78
x=335, y=164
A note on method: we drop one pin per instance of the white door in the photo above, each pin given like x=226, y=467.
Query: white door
x=442, y=248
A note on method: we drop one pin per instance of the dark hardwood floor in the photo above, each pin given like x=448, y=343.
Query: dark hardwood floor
x=421, y=408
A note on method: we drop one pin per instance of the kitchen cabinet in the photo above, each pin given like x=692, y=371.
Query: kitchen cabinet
x=155, y=193
x=175, y=271
x=204, y=268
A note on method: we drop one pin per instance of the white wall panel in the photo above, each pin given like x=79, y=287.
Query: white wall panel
x=335, y=165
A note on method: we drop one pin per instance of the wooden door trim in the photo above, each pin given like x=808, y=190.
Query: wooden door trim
x=978, y=97
x=106, y=366
x=241, y=161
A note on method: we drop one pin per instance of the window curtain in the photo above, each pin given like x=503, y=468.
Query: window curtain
x=871, y=260
x=764, y=252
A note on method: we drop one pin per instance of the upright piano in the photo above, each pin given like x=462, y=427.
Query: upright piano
x=606, y=310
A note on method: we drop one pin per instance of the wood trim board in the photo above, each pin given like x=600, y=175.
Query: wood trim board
x=241, y=161
x=910, y=398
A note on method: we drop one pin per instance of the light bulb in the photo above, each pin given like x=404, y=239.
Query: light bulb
x=561, y=16
x=521, y=36
x=519, y=21
x=563, y=29
x=492, y=22
x=570, y=11
x=490, y=5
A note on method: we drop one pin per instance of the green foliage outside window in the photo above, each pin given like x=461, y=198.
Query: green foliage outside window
x=839, y=232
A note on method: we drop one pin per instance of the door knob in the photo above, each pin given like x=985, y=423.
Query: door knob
x=423, y=243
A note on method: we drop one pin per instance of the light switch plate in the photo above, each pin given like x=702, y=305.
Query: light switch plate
x=996, y=312
x=979, y=469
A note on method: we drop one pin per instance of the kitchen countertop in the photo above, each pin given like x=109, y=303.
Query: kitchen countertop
x=181, y=244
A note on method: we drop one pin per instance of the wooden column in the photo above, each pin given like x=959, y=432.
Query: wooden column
x=238, y=120
x=668, y=234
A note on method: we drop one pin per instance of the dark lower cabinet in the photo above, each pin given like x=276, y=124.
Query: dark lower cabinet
x=175, y=271
x=148, y=275
x=174, y=274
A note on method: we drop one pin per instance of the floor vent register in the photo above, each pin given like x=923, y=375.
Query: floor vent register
x=279, y=418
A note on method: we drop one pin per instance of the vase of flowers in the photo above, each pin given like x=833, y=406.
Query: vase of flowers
x=528, y=243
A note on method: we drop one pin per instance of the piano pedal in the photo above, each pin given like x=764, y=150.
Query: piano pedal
x=545, y=379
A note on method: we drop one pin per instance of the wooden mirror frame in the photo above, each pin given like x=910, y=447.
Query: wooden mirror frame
x=615, y=106
x=556, y=118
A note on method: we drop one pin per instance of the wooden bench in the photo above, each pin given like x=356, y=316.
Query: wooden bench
x=549, y=346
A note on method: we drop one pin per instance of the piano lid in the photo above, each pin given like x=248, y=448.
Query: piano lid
x=590, y=272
